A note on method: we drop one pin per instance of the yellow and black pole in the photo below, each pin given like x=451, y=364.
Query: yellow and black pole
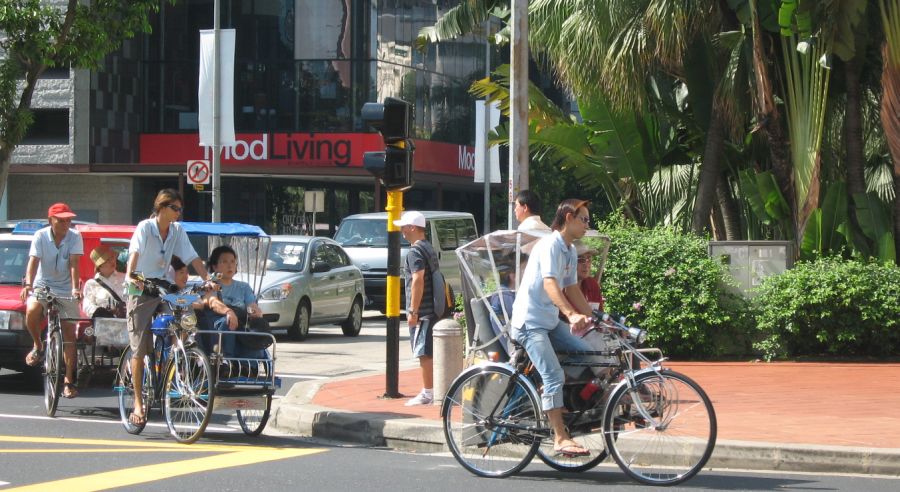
x=392, y=375
x=394, y=167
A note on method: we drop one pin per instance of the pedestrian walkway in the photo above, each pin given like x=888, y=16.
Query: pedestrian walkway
x=831, y=412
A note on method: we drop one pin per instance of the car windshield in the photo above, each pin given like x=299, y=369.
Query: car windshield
x=13, y=260
x=364, y=233
x=286, y=257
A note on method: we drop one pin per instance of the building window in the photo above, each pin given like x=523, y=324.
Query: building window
x=50, y=127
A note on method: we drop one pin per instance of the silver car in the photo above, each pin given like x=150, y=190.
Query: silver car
x=310, y=280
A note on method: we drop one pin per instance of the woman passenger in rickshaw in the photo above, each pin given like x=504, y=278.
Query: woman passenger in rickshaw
x=233, y=307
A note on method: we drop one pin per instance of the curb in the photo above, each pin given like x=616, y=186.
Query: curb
x=296, y=415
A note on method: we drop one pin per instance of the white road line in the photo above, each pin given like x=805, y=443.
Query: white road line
x=2, y=483
x=301, y=376
x=215, y=428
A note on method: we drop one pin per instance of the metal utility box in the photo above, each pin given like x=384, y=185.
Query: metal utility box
x=751, y=261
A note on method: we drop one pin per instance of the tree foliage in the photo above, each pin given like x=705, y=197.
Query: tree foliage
x=37, y=35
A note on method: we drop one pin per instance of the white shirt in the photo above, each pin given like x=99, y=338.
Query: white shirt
x=549, y=258
x=154, y=255
x=53, y=268
x=533, y=223
x=95, y=296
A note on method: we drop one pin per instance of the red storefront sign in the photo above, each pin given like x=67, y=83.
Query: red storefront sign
x=303, y=150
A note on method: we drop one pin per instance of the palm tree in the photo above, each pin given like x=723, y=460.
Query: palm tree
x=890, y=102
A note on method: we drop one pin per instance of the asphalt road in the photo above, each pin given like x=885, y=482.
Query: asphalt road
x=85, y=447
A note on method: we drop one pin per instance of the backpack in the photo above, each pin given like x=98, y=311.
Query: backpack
x=443, y=298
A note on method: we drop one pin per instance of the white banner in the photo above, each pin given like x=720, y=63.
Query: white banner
x=481, y=142
x=226, y=86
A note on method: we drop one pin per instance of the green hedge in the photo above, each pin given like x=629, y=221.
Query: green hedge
x=830, y=306
x=686, y=305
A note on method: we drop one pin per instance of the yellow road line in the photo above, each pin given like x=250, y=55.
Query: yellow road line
x=182, y=449
x=120, y=443
x=151, y=473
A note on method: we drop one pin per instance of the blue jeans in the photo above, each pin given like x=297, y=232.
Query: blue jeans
x=231, y=348
x=541, y=345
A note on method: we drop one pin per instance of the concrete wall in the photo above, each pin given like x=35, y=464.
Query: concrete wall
x=95, y=198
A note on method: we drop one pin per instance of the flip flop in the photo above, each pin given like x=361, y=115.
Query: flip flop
x=34, y=358
x=137, y=420
x=70, y=391
x=571, y=450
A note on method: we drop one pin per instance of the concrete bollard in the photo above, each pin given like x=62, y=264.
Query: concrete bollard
x=448, y=356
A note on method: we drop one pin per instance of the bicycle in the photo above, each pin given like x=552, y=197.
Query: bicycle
x=658, y=425
x=54, y=359
x=177, y=374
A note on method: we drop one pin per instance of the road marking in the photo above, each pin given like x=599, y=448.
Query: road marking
x=302, y=376
x=211, y=428
x=231, y=456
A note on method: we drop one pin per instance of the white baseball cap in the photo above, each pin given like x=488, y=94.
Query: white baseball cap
x=411, y=218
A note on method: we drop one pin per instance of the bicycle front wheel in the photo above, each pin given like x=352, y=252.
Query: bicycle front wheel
x=492, y=423
x=663, y=430
x=54, y=368
x=188, y=395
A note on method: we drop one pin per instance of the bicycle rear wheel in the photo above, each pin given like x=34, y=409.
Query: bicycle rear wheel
x=188, y=395
x=54, y=368
x=491, y=426
x=662, y=431
x=125, y=389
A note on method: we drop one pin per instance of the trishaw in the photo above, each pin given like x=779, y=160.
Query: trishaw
x=620, y=401
x=179, y=376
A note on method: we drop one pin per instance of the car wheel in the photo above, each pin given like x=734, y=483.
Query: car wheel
x=300, y=329
x=353, y=323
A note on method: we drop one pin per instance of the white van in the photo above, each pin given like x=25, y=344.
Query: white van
x=364, y=238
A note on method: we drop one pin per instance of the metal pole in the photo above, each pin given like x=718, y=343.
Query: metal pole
x=217, y=118
x=518, y=121
x=392, y=301
x=487, y=131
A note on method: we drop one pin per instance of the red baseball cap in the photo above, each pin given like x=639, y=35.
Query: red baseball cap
x=60, y=210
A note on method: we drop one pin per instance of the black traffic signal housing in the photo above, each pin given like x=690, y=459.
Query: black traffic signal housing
x=394, y=120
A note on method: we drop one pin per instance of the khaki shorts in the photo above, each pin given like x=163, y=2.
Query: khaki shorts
x=140, y=315
x=68, y=308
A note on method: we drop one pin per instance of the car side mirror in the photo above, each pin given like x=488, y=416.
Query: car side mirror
x=320, y=267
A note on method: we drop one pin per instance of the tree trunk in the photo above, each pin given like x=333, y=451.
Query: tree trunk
x=709, y=173
x=731, y=221
x=853, y=134
x=890, y=120
x=769, y=120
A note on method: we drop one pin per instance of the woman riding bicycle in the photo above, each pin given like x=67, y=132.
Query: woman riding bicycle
x=154, y=242
x=549, y=286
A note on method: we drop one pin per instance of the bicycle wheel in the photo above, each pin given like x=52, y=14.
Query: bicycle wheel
x=125, y=388
x=492, y=427
x=587, y=435
x=188, y=398
x=54, y=368
x=663, y=430
x=253, y=421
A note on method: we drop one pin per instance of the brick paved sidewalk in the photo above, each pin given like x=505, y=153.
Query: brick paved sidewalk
x=838, y=404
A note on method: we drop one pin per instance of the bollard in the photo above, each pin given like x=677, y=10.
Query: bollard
x=448, y=356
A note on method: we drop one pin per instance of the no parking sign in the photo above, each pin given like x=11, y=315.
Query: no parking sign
x=198, y=172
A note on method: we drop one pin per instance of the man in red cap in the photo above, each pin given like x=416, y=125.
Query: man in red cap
x=53, y=264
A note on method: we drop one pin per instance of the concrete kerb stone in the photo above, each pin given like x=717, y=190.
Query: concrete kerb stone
x=296, y=415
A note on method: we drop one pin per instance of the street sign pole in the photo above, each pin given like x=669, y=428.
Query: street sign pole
x=392, y=309
x=217, y=118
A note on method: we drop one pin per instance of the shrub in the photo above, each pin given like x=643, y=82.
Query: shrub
x=685, y=304
x=830, y=306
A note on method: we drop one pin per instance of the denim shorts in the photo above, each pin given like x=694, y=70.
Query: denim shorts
x=421, y=339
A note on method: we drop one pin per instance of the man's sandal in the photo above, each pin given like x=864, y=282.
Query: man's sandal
x=34, y=358
x=70, y=390
x=571, y=450
x=137, y=420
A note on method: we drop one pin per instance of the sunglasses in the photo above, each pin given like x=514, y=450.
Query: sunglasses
x=175, y=208
x=585, y=219
x=584, y=259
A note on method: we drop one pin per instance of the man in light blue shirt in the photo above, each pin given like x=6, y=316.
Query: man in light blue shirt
x=550, y=286
x=53, y=265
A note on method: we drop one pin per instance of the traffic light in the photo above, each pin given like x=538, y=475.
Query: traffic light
x=394, y=120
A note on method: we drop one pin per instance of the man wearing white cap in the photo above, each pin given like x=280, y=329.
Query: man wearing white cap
x=419, y=299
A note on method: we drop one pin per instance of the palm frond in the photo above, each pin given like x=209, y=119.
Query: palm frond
x=465, y=18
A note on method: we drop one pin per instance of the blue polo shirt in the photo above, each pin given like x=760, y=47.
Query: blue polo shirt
x=238, y=294
x=549, y=258
x=154, y=255
x=53, y=268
